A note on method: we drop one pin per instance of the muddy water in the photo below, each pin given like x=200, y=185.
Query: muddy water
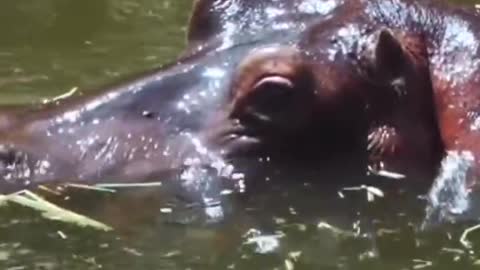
x=50, y=47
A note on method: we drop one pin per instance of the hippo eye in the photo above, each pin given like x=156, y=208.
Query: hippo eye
x=272, y=94
x=269, y=100
x=273, y=91
x=274, y=81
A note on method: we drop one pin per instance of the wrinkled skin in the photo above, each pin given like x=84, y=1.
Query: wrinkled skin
x=389, y=84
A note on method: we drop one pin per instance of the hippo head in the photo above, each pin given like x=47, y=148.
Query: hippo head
x=276, y=83
x=295, y=80
x=259, y=80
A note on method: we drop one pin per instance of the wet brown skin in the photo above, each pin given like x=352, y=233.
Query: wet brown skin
x=392, y=83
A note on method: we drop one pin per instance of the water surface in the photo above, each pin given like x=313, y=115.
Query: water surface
x=50, y=47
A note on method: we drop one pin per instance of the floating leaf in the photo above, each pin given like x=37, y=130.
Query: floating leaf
x=52, y=211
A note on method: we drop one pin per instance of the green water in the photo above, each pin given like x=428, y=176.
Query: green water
x=49, y=47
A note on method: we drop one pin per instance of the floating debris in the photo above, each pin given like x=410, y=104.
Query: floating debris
x=264, y=244
x=463, y=239
x=372, y=192
x=132, y=251
x=62, y=235
x=392, y=175
x=336, y=231
x=172, y=253
x=420, y=264
x=129, y=185
x=51, y=211
x=289, y=265
x=66, y=95
x=166, y=210
x=94, y=188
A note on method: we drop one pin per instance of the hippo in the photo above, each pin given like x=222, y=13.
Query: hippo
x=387, y=85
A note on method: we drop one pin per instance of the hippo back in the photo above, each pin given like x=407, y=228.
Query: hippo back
x=221, y=19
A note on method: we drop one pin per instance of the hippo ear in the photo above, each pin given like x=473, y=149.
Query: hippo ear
x=388, y=58
x=204, y=21
x=208, y=17
x=388, y=52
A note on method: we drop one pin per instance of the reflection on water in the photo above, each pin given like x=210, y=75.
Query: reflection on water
x=52, y=46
